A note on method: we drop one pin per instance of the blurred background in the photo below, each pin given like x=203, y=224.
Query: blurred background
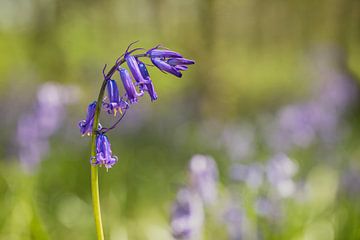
x=273, y=98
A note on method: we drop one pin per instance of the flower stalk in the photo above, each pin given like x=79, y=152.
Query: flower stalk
x=101, y=153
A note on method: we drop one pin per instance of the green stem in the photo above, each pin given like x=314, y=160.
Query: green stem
x=94, y=168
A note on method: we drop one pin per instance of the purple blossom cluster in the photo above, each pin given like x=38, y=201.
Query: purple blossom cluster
x=34, y=128
x=188, y=210
x=136, y=82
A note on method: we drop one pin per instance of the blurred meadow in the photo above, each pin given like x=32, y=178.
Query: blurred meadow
x=273, y=98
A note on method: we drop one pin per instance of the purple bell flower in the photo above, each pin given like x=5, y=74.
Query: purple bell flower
x=87, y=124
x=164, y=66
x=149, y=86
x=116, y=104
x=129, y=86
x=134, y=68
x=162, y=53
x=103, y=152
x=180, y=61
x=181, y=67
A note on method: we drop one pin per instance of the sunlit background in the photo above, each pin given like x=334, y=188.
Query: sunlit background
x=273, y=99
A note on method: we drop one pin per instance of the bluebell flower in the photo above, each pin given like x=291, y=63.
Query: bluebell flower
x=149, y=86
x=104, y=155
x=87, y=124
x=180, y=61
x=134, y=68
x=116, y=104
x=129, y=86
x=164, y=66
x=162, y=53
x=181, y=67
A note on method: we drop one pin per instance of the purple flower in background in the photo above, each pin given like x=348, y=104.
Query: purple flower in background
x=104, y=155
x=129, y=86
x=280, y=170
x=268, y=208
x=149, y=87
x=87, y=124
x=204, y=177
x=34, y=128
x=235, y=220
x=187, y=215
x=116, y=104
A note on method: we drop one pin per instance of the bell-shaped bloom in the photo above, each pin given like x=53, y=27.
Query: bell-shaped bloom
x=116, y=104
x=104, y=155
x=164, y=66
x=149, y=86
x=180, y=61
x=129, y=86
x=162, y=53
x=134, y=68
x=87, y=124
x=181, y=67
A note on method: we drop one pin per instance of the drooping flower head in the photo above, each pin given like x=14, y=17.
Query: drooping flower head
x=169, y=61
x=131, y=93
x=135, y=82
x=164, y=66
x=116, y=104
x=104, y=155
x=87, y=124
x=149, y=86
x=158, y=52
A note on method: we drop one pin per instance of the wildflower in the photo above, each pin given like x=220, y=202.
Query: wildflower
x=187, y=215
x=116, y=104
x=181, y=68
x=204, y=176
x=164, y=66
x=129, y=86
x=162, y=53
x=149, y=87
x=87, y=124
x=103, y=152
x=134, y=68
x=180, y=61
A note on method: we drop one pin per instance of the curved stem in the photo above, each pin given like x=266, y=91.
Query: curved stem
x=94, y=169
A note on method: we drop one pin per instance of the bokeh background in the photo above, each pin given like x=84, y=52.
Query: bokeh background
x=273, y=98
